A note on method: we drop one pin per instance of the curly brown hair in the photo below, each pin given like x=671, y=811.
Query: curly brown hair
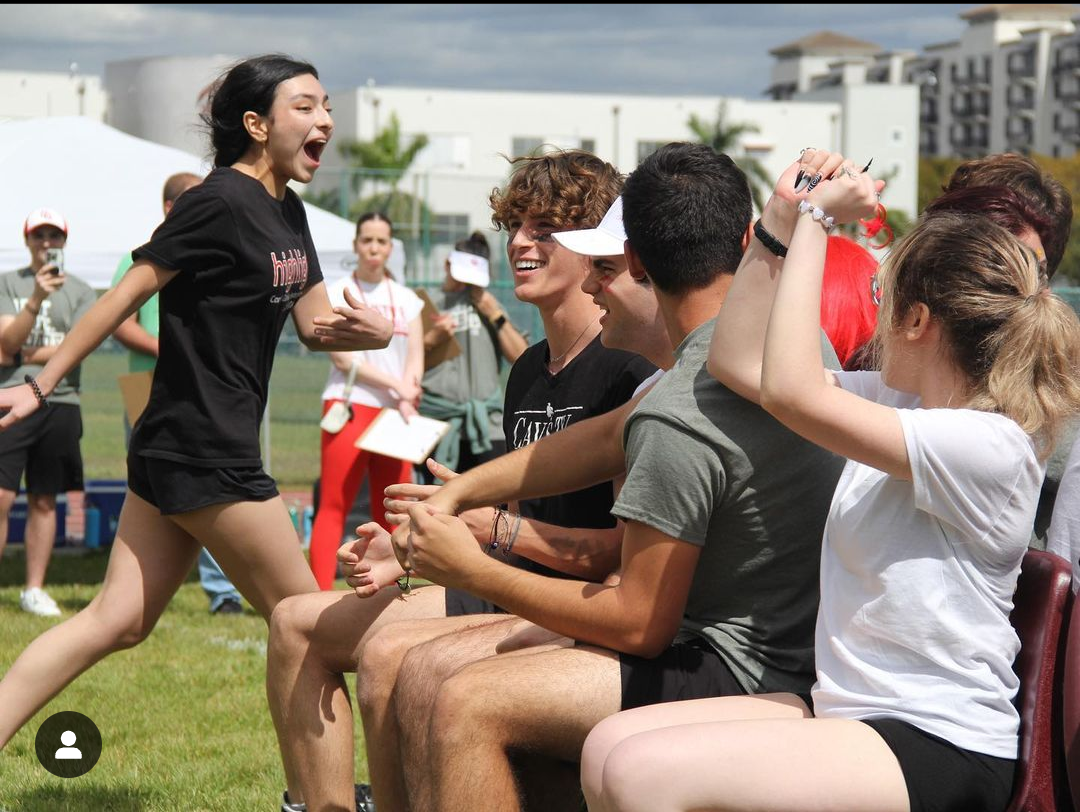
x=569, y=188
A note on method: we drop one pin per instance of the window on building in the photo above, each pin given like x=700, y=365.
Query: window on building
x=647, y=148
x=525, y=145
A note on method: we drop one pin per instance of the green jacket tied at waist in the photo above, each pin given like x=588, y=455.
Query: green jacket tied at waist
x=470, y=416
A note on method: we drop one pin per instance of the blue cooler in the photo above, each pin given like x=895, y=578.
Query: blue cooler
x=103, y=500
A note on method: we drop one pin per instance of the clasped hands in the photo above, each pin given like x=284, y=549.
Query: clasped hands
x=428, y=542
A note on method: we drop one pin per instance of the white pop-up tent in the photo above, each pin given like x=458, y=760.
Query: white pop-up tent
x=108, y=186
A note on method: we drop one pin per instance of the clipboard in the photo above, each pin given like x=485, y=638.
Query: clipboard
x=135, y=391
x=391, y=436
x=445, y=351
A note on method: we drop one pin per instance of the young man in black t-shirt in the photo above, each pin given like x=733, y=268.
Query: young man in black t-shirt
x=567, y=377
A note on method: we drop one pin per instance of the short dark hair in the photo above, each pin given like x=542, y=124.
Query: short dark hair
x=247, y=85
x=686, y=209
x=1045, y=196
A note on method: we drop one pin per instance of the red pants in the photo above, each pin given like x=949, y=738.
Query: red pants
x=343, y=468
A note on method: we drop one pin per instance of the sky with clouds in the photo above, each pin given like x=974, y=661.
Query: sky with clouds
x=647, y=48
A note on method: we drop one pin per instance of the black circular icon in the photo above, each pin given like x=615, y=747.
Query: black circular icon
x=68, y=744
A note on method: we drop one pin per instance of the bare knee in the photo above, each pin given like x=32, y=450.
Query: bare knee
x=290, y=626
x=601, y=740
x=629, y=779
x=119, y=628
x=463, y=713
x=380, y=661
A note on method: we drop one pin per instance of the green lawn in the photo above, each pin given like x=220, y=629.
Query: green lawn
x=183, y=717
x=295, y=409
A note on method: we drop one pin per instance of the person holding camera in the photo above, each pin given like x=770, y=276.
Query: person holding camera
x=39, y=304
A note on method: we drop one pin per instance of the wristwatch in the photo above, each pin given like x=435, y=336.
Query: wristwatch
x=499, y=322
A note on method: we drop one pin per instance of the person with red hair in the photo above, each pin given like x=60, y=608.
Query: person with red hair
x=848, y=311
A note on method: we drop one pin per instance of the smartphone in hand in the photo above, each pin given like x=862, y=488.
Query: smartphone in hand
x=55, y=257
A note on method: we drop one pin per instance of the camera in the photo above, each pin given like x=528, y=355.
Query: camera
x=55, y=257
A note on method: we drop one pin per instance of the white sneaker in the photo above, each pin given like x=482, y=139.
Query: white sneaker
x=36, y=601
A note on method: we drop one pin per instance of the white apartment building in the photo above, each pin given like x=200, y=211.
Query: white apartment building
x=1011, y=83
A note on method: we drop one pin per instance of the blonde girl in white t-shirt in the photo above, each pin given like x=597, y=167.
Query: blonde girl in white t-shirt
x=387, y=378
x=913, y=708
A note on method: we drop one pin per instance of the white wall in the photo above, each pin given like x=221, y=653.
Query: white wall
x=27, y=94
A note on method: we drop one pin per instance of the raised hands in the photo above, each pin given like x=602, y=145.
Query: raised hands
x=369, y=562
x=356, y=325
x=836, y=186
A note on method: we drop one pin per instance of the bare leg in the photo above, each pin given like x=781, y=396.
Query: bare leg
x=386, y=658
x=615, y=729
x=7, y=499
x=255, y=544
x=149, y=560
x=760, y=765
x=543, y=703
x=40, y=536
x=314, y=640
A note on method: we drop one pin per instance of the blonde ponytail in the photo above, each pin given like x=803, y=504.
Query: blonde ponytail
x=1016, y=343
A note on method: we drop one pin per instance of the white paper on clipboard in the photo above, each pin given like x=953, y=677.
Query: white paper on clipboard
x=391, y=436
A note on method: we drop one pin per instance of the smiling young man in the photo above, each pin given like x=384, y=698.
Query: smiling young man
x=723, y=510
x=39, y=304
x=564, y=379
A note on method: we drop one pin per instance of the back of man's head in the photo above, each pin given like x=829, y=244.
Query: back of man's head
x=569, y=188
x=686, y=209
x=175, y=186
x=1045, y=195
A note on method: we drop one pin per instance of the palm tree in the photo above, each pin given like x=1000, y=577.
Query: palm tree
x=385, y=154
x=726, y=136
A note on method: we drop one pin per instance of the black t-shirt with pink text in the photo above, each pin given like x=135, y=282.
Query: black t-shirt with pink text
x=243, y=259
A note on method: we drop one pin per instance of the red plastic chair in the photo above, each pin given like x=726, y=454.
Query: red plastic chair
x=1043, y=594
x=1071, y=704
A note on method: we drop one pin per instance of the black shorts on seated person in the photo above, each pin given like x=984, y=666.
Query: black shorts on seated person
x=688, y=670
x=174, y=487
x=942, y=777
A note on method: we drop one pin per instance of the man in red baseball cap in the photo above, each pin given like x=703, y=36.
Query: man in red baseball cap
x=39, y=304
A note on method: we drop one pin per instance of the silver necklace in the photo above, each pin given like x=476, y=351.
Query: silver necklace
x=553, y=361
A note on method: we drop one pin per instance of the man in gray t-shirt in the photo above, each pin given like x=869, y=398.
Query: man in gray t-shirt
x=39, y=304
x=714, y=470
x=723, y=507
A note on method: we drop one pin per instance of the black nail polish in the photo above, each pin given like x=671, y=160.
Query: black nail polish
x=798, y=179
x=867, y=165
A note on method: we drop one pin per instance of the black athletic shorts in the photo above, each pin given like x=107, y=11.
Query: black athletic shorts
x=689, y=670
x=46, y=446
x=942, y=777
x=173, y=487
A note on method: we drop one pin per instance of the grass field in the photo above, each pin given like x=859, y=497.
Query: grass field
x=295, y=408
x=183, y=717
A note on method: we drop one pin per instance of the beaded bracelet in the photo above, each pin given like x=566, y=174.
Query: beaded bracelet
x=36, y=389
x=817, y=213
